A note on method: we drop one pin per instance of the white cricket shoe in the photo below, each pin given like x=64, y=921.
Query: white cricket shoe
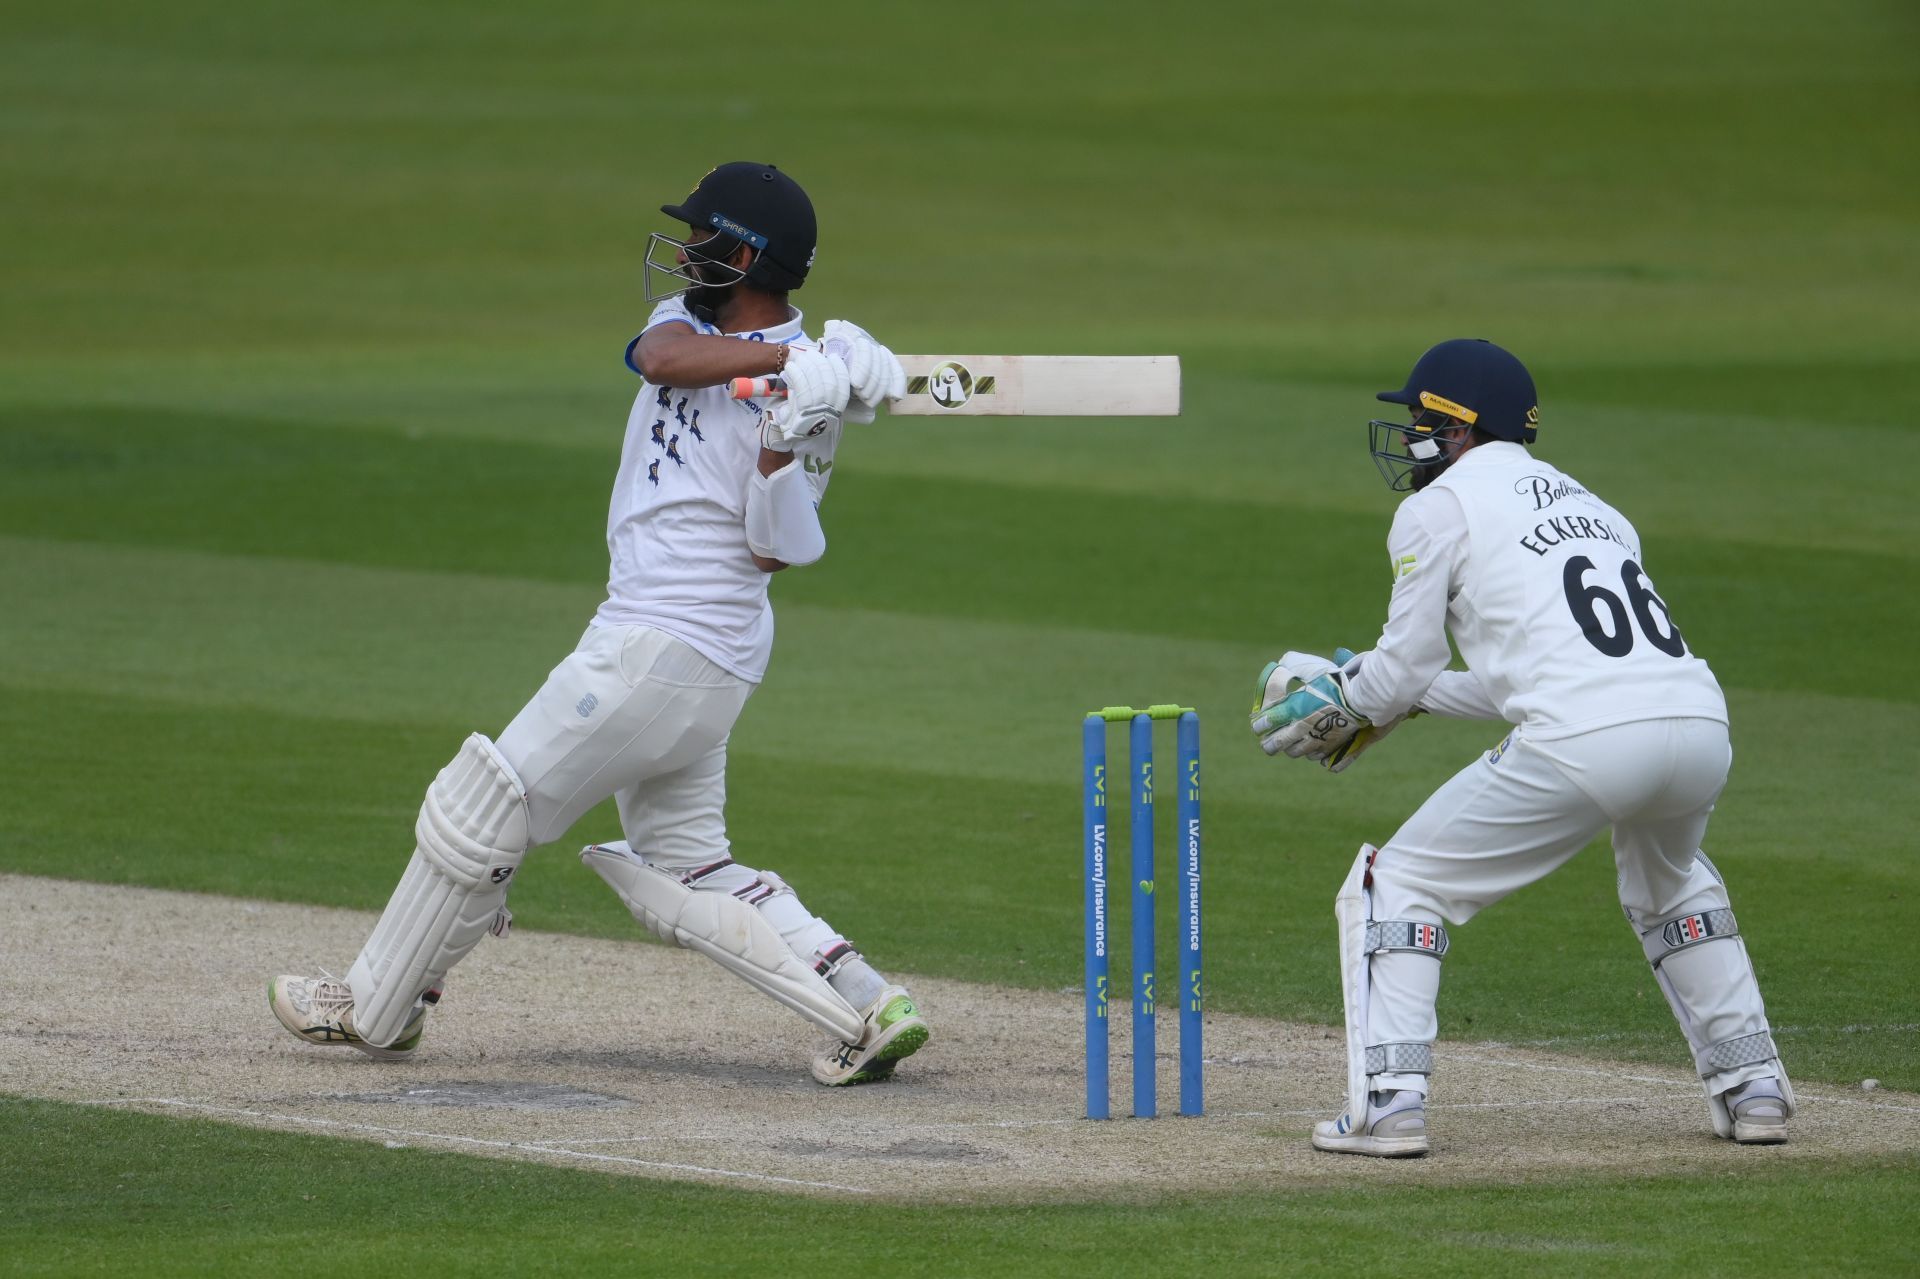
x=1396, y=1128
x=895, y=1030
x=320, y=1011
x=1759, y=1113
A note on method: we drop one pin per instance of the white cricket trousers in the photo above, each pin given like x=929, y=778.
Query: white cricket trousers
x=630, y=708
x=1521, y=811
x=638, y=715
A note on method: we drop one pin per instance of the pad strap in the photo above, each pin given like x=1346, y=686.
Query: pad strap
x=1406, y=934
x=1399, y=1059
x=764, y=888
x=1731, y=1054
x=831, y=960
x=1688, y=930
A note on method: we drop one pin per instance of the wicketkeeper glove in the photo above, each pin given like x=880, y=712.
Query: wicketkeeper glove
x=1302, y=711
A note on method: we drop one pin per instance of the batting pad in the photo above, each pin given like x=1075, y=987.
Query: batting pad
x=470, y=838
x=726, y=930
x=1701, y=965
x=1351, y=909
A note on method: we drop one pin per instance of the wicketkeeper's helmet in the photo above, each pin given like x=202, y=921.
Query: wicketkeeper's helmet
x=1466, y=380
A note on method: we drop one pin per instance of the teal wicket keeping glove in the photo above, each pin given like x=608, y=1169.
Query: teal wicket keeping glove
x=1302, y=712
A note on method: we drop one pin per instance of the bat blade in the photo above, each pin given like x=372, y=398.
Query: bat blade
x=1040, y=386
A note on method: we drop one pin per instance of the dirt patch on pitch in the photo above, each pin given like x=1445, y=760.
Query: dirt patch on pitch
x=635, y=1058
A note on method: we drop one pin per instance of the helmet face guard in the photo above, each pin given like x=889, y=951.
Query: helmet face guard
x=1411, y=455
x=676, y=266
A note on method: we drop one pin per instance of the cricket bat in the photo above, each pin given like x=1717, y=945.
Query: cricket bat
x=1023, y=386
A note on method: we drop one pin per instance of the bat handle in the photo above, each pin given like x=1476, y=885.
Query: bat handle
x=772, y=388
x=757, y=388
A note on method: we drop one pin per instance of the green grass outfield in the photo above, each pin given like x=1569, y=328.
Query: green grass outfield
x=310, y=398
x=87, y=1190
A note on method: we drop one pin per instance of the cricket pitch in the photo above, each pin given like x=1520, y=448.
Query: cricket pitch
x=634, y=1058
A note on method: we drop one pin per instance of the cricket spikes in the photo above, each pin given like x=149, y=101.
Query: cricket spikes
x=895, y=1030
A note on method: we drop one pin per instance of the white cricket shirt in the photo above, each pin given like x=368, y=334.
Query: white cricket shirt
x=676, y=527
x=1542, y=587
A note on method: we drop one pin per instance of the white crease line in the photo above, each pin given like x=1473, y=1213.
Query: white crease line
x=1671, y=1083
x=965, y=1123
x=1614, y=1036
x=1572, y=1070
x=1331, y=1107
x=1021, y=1124
x=1548, y=1101
x=481, y=1141
x=1871, y=1105
x=1218, y=1116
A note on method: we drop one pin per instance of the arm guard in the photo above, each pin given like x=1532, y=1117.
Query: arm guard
x=782, y=522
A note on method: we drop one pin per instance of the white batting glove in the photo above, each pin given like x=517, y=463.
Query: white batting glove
x=873, y=373
x=816, y=399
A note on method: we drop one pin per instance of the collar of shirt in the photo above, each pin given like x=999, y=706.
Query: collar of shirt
x=787, y=332
x=1491, y=451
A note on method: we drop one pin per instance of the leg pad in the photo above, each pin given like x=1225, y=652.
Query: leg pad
x=1361, y=938
x=471, y=836
x=728, y=930
x=1714, y=996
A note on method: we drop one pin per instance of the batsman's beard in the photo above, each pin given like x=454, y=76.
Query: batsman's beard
x=707, y=299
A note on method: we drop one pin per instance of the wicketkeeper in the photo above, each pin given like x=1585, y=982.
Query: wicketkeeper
x=713, y=496
x=1616, y=723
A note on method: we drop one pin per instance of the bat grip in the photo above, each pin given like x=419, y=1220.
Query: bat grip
x=757, y=388
x=772, y=388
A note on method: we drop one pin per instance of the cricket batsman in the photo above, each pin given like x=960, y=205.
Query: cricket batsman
x=1616, y=724
x=713, y=496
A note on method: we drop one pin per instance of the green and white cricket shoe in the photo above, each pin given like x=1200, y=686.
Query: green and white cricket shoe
x=895, y=1031
x=320, y=1011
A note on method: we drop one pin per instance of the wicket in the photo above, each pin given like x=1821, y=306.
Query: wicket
x=1093, y=738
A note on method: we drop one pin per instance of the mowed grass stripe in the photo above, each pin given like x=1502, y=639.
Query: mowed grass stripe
x=936, y=871
x=1152, y=565
x=975, y=698
x=407, y=447
x=573, y=391
x=96, y=1189
x=364, y=205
